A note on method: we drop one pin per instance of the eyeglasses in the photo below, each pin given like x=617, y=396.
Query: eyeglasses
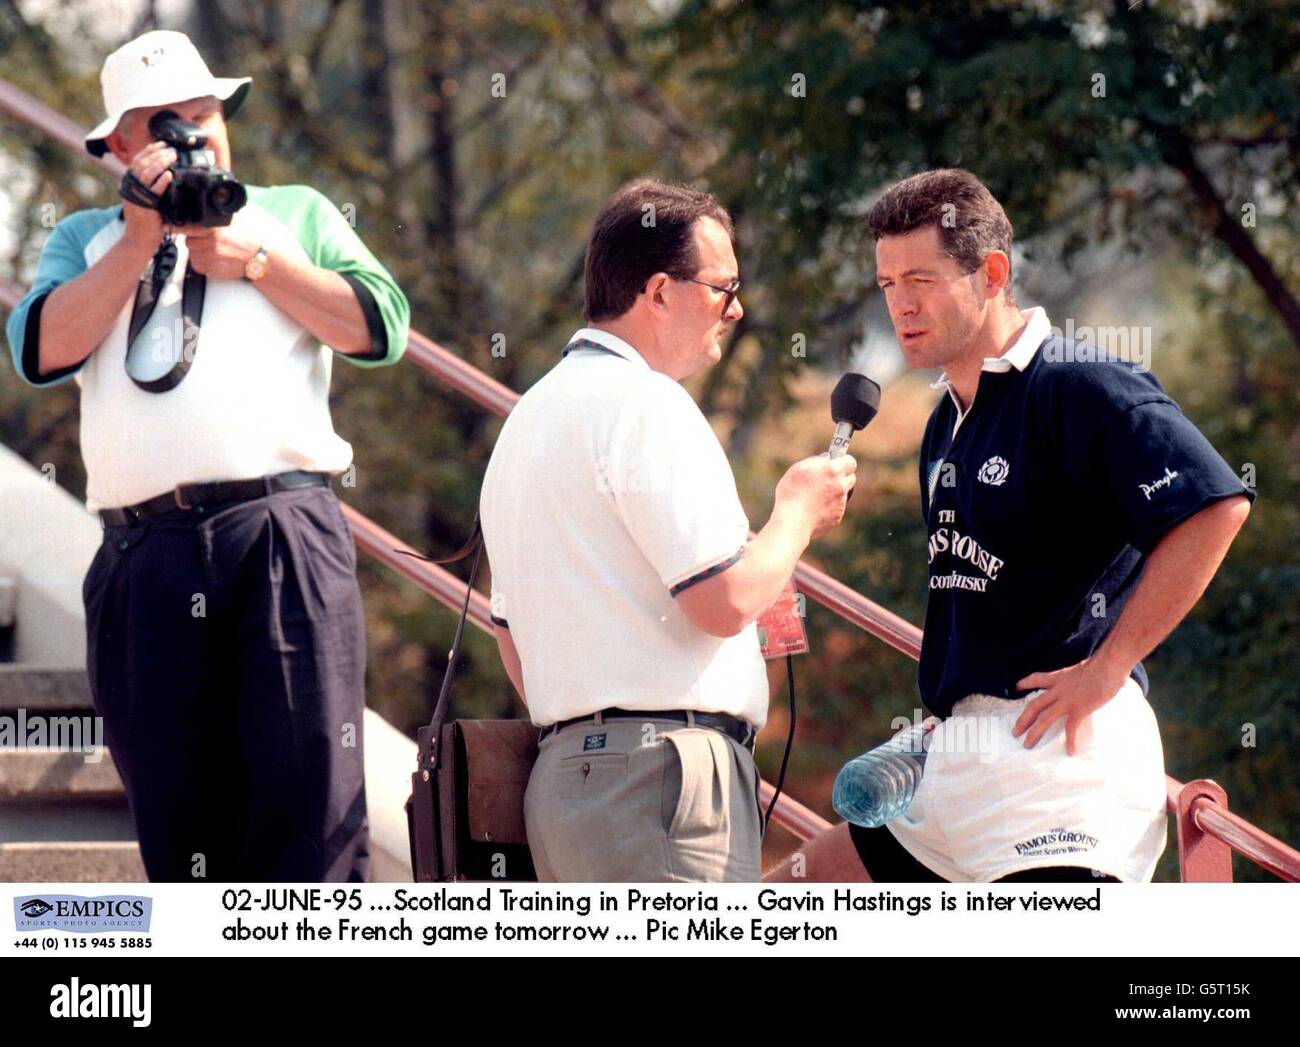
x=728, y=292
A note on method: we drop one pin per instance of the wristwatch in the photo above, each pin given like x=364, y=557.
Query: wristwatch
x=255, y=267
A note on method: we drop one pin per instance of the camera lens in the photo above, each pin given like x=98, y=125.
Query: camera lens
x=226, y=197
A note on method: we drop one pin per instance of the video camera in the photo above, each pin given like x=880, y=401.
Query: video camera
x=200, y=193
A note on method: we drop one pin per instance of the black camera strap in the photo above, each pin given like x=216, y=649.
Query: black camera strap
x=474, y=545
x=430, y=857
x=193, y=292
x=134, y=191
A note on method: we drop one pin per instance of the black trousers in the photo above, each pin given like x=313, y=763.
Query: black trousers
x=226, y=653
x=888, y=861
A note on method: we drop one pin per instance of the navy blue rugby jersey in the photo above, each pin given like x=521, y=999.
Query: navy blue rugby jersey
x=1040, y=512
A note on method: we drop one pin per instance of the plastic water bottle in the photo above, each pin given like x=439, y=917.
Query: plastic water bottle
x=878, y=786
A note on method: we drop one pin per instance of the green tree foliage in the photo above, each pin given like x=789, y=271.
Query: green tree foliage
x=1170, y=127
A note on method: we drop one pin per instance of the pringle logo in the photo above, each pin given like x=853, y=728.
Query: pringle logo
x=1156, y=485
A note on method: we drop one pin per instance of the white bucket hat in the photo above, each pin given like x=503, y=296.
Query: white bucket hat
x=156, y=68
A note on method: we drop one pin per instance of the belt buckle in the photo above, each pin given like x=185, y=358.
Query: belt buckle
x=176, y=497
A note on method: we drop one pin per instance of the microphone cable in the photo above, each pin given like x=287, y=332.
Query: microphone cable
x=789, y=743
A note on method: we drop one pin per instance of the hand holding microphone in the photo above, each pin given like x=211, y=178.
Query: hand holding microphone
x=810, y=500
x=818, y=488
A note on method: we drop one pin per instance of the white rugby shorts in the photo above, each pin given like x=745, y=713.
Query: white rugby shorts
x=988, y=807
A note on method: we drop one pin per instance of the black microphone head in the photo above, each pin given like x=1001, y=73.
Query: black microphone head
x=856, y=400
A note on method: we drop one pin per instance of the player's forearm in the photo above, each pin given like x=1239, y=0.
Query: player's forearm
x=78, y=315
x=1177, y=572
x=319, y=299
x=728, y=602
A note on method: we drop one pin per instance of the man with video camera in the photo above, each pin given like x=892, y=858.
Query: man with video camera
x=225, y=631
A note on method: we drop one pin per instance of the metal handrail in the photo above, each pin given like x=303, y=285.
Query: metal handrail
x=438, y=582
x=1205, y=814
x=1250, y=841
x=50, y=122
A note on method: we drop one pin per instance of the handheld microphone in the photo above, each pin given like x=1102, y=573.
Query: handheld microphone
x=854, y=403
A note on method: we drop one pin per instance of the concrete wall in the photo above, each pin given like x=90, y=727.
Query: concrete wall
x=47, y=540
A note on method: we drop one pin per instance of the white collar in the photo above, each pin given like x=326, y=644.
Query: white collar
x=612, y=342
x=1037, y=330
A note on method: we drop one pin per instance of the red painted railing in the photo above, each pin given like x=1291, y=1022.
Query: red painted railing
x=1208, y=833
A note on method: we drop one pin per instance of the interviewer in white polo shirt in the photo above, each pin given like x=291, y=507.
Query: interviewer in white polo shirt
x=625, y=585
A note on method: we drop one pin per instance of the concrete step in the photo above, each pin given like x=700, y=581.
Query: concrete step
x=56, y=806
x=99, y=862
x=43, y=688
x=46, y=775
x=85, y=821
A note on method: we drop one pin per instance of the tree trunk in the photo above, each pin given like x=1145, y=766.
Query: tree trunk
x=1178, y=153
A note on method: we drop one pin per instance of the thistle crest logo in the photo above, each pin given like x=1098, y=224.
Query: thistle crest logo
x=995, y=471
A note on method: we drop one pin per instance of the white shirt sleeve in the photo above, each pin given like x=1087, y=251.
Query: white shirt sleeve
x=673, y=486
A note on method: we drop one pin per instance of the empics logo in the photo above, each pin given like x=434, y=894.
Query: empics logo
x=74, y=1000
x=35, y=908
x=75, y=912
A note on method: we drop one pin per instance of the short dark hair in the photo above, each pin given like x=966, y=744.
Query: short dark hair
x=970, y=220
x=643, y=229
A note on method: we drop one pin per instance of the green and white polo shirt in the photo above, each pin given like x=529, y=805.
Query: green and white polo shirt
x=256, y=398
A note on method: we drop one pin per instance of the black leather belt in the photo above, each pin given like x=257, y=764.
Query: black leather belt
x=199, y=497
x=732, y=726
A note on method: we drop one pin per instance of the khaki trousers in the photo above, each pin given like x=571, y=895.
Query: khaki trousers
x=643, y=801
